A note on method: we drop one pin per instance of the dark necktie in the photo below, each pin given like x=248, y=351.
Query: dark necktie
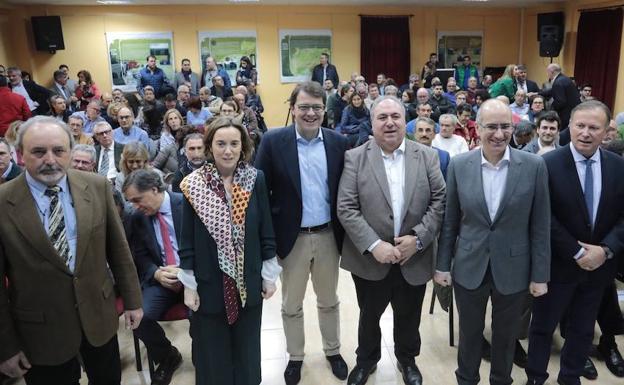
x=230, y=296
x=589, y=189
x=56, y=224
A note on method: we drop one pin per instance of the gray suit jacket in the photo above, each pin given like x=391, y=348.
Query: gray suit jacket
x=516, y=244
x=533, y=147
x=178, y=80
x=365, y=209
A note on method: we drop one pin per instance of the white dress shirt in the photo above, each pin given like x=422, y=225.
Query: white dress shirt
x=394, y=164
x=494, y=180
x=112, y=169
x=21, y=90
x=454, y=145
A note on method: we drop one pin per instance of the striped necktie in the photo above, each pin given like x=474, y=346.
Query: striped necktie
x=56, y=224
x=104, y=163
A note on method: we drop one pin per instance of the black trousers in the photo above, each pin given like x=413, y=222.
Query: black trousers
x=610, y=317
x=373, y=299
x=580, y=301
x=102, y=365
x=227, y=354
x=156, y=301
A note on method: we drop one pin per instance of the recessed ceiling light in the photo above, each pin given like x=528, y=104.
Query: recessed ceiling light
x=114, y=2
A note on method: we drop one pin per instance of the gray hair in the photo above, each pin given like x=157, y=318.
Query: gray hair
x=144, y=180
x=195, y=135
x=380, y=99
x=102, y=124
x=76, y=116
x=453, y=117
x=41, y=121
x=87, y=148
x=524, y=127
x=390, y=89
x=183, y=86
x=425, y=120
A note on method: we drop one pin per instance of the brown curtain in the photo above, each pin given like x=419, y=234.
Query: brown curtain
x=385, y=47
x=598, y=52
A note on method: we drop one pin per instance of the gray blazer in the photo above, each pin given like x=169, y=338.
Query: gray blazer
x=533, y=147
x=516, y=244
x=178, y=80
x=365, y=209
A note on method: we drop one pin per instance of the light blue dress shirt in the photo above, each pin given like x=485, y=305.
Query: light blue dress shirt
x=198, y=119
x=314, y=180
x=87, y=125
x=134, y=134
x=165, y=210
x=37, y=189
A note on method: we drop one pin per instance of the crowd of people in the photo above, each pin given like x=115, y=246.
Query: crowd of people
x=502, y=190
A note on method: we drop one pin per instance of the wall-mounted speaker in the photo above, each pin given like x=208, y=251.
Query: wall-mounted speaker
x=550, y=28
x=48, y=33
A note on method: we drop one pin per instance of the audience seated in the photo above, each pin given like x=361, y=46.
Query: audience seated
x=196, y=114
x=86, y=90
x=446, y=139
x=83, y=157
x=75, y=124
x=353, y=116
x=210, y=101
x=128, y=131
x=134, y=156
x=58, y=108
x=337, y=103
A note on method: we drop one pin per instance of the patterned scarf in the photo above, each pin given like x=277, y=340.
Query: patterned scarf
x=225, y=222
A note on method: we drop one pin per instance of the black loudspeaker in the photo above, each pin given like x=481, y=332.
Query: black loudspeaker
x=550, y=28
x=48, y=33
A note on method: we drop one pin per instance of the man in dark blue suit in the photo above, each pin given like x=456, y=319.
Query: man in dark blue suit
x=155, y=229
x=424, y=132
x=587, y=238
x=565, y=97
x=302, y=164
x=325, y=70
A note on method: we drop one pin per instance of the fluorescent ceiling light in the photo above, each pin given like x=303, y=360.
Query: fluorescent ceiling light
x=114, y=2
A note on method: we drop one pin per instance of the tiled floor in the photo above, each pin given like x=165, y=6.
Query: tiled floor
x=437, y=360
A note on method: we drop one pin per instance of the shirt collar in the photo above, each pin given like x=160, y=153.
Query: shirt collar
x=505, y=159
x=39, y=188
x=318, y=136
x=165, y=206
x=400, y=150
x=8, y=170
x=578, y=157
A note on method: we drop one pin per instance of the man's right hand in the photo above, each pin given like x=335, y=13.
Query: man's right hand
x=384, y=252
x=167, y=276
x=443, y=278
x=191, y=299
x=15, y=366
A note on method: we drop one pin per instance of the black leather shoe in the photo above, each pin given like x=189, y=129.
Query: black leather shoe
x=411, y=374
x=520, y=356
x=338, y=366
x=613, y=359
x=292, y=374
x=486, y=350
x=164, y=372
x=589, y=370
x=359, y=375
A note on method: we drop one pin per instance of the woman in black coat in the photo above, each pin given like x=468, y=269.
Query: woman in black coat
x=227, y=247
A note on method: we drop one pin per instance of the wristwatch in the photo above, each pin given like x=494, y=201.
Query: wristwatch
x=608, y=252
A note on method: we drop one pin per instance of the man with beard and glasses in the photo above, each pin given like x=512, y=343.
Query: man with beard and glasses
x=195, y=153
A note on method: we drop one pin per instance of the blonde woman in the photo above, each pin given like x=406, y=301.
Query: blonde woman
x=134, y=157
x=505, y=84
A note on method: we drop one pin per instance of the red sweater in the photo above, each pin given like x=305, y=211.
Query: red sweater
x=12, y=107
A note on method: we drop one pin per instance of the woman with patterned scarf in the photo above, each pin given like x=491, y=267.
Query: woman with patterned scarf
x=227, y=257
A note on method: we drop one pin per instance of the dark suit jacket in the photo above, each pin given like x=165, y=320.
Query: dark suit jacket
x=531, y=86
x=15, y=171
x=38, y=94
x=198, y=251
x=570, y=219
x=332, y=74
x=46, y=309
x=117, y=149
x=565, y=97
x=278, y=159
x=145, y=249
x=445, y=158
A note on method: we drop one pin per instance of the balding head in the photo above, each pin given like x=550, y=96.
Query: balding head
x=495, y=129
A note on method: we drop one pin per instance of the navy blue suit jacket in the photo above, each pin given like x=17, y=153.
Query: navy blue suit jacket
x=278, y=158
x=570, y=218
x=144, y=245
x=445, y=158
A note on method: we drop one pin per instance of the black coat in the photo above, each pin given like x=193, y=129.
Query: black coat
x=118, y=149
x=38, y=94
x=331, y=73
x=565, y=97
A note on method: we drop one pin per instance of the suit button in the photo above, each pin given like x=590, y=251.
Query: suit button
x=391, y=216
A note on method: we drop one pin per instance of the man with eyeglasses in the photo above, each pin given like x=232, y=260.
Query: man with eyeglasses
x=499, y=247
x=127, y=131
x=302, y=164
x=107, y=151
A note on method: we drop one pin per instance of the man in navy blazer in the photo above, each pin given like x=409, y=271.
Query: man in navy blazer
x=587, y=237
x=325, y=70
x=565, y=97
x=155, y=227
x=302, y=164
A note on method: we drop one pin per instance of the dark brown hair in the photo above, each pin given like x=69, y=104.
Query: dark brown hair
x=247, y=146
x=313, y=89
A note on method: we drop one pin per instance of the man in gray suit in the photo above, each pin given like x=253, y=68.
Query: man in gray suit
x=499, y=247
x=390, y=202
x=187, y=77
x=548, y=124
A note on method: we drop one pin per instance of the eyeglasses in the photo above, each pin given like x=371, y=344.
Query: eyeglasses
x=102, y=133
x=307, y=107
x=495, y=127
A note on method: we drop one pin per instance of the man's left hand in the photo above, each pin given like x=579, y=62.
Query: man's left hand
x=594, y=257
x=407, y=245
x=133, y=318
x=538, y=289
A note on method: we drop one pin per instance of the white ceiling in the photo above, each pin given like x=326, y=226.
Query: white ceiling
x=500, y=3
